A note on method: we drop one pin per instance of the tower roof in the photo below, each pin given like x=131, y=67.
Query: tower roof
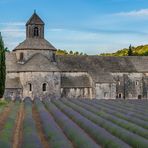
x=35, y=19
x=35, y=44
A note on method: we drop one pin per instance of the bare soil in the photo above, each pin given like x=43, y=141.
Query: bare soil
x=17, y=137
x=39, y=128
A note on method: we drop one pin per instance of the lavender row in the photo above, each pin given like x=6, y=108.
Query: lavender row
x=141, y=103
x=128, y=137
x=127, y=117
x=99, y=134
x=141, y=106
x=123, y=123
x=118, y=109
x=53, y=133
x=124, y=107
x=7, y=133
x=30, y=135
x=77, y=136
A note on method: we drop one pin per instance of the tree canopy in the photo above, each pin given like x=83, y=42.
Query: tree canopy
x=2, y=67
x=136, y=51
x=65, y=52
x=130, y=51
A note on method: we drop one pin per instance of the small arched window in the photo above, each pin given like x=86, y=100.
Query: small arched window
x=44, y=87
x=30, y=87
x=137, y=82
x=21, y=56
x=105, y=94
x=119, y=96
x=36, y=31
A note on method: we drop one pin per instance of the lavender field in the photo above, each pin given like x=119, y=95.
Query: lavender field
x=74, y=123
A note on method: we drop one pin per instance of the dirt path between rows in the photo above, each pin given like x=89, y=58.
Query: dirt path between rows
x=4, y=115
x=17, y=137
x=39, y=128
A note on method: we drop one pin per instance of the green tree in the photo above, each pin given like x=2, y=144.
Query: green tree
x=71, y=52
x=130, y=51
x=76, y=53
x=2, y=67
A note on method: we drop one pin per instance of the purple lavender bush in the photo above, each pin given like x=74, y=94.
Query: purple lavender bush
x=128, y=137
x=53, y=133
x=30, y=136
x=77, y=136
x=123, y=123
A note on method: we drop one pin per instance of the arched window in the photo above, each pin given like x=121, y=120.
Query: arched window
x=119, y=96
x=21, y=56
x=36, y=31
x=30, y=87
x=44, y=87
x=137, y=82
x=105, y=94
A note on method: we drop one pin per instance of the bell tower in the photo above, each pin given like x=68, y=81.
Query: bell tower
x=35, y=27
x=35, y=43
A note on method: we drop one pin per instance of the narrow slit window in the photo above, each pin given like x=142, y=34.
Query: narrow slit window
x=54, y=57
x=21, y=56
x=105, y=94
x=36, y=31
x=30, y=87
x=137, y=82
x=44, y=87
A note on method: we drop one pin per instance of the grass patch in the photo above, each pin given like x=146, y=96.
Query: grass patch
x=3, y=102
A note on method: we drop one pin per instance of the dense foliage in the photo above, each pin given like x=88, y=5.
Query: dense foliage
x=136, y=51
x=2, y=67
x=65, y=52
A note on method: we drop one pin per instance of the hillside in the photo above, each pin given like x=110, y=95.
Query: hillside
x=137, y=51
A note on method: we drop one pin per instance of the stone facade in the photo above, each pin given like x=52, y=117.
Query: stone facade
x=105, y=90
x=33, y=70
x=36, y=80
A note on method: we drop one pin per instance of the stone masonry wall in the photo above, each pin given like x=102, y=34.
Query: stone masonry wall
x=129, y=85
x=105, y=91
x=78, y=92
x=37, y=79
x=29, y=53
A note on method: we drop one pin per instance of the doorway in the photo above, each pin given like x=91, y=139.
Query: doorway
x=139, y=97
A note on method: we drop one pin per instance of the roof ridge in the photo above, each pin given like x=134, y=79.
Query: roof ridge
x=34, y=55
x=35, y=44
x=35, y=19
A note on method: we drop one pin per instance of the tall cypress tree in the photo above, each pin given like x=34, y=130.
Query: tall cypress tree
x=2, y=67
x=130, y=51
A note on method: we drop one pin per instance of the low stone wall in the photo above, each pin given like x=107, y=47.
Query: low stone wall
x=12, y=94
x=76, y=93
x=105, y=91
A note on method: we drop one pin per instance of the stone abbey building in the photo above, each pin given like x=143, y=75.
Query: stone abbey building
x=34, y=70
